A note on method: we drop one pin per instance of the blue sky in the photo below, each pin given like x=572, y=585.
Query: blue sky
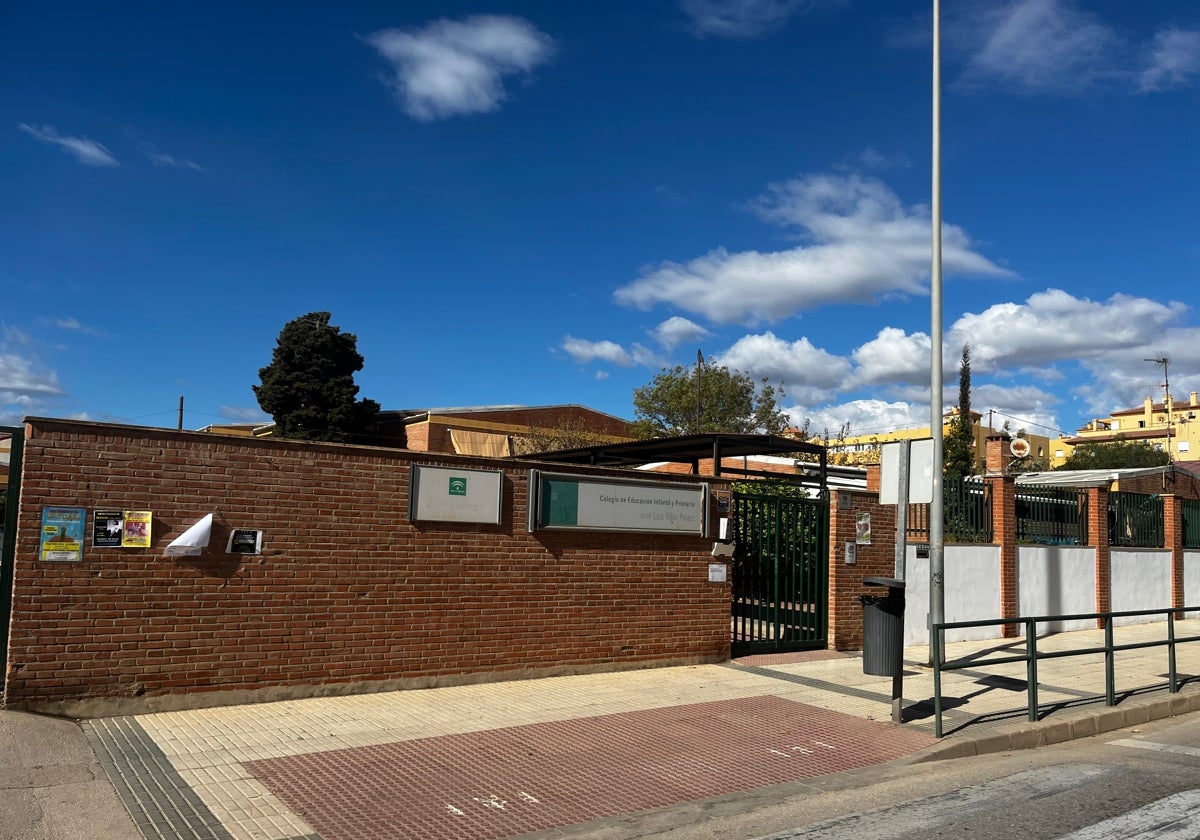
x=544, y=202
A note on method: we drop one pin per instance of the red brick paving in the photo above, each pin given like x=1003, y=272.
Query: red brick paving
x=504, y=782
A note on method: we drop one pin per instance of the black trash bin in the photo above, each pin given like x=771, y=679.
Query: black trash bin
x=883, y=628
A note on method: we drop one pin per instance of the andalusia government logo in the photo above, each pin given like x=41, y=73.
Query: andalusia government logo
x=458, y=486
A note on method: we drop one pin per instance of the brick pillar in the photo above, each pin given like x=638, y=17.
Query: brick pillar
x=1098, y=538
x=874, y=478
x=876, y=559
x=1173, y=539
x=1004, y=530
x=997, y=458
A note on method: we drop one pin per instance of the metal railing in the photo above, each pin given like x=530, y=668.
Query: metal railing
x=1052, y=516
x=1032, y=655
x=1135, y=519
x=1190, y=509
x=967, y=512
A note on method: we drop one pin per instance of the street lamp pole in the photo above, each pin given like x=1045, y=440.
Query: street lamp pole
x=937, y=592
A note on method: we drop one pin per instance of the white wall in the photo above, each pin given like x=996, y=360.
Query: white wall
x=1057, y=580
x=1191, y=581
x=972, y=592
x=1141, y=580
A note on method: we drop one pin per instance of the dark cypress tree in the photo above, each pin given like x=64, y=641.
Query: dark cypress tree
x=309, y=386
x=958, y=456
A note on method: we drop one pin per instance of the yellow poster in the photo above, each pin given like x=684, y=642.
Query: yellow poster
x=136, y=532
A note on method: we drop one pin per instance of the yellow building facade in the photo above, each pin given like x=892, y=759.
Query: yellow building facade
x=1170, y=426
x=865, y=449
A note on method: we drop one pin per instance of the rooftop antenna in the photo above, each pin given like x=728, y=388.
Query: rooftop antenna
x=1165, y=361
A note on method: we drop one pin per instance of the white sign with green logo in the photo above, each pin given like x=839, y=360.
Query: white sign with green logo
x=445, y=494
x=599, y=504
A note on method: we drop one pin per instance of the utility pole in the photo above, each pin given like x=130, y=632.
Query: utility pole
x=937, y=592
x=181, y=412
x=1164, y=360
x=699, y=369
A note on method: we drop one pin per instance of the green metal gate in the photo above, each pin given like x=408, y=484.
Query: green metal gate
x=11, y=446
x=780, y=573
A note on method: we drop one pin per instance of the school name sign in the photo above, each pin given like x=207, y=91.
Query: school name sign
x=573, y=502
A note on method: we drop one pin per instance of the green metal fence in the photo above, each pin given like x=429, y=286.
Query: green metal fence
x=780, y=573
x=1052, y=516
x=1191, y=522
x=1135, y=519
x=1031, y=655
x=967, y=512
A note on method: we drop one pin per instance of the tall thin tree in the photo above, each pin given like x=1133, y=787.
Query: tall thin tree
x=959, y=450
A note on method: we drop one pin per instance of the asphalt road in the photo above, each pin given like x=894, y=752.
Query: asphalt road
x=1134, y=784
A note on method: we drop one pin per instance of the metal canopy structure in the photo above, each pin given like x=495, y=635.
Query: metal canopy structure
x=692, y=449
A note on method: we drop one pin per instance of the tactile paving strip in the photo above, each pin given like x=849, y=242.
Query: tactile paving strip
x=505, y=782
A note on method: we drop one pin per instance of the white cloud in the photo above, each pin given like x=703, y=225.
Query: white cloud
x=1056, y=47
x=72, y=325
x=88, y=152
x=448, y=67
x=1123, y=377
x=584, y=351
x=24, y=386
x=1024, y=406
x=864, y=244
x=739, y=18
x=1173, y=60
x=676, y=330
x=244, y=414
x=1035, y=46
x=152, y=154
x=795, y=365
x=893, y=356
x=866, y=416
x=1053, y=326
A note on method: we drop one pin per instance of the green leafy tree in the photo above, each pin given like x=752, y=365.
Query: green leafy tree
x=957, y=450
x=724, y=401
x=309, y=386
x=1120, y=453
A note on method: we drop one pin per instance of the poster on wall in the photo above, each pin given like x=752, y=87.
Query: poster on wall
x=244, y=541
x=136, y=530
x=862, y=529
x=62, y=534
x=107, y=527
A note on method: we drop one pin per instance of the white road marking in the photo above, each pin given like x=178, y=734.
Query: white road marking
x=492, y=801
x=529, y=798
x=823, y=744
x=1172, y=818
x=458, y=812
x=1151, y=745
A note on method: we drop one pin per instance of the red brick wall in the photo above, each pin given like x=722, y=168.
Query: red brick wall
x=1098, y=537
x=875, y=560
x=348, y=595
x=1004, y=532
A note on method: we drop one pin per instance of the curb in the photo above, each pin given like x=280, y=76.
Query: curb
x=1062, y=727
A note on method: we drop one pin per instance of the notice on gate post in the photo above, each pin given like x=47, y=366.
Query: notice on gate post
x=62, y=534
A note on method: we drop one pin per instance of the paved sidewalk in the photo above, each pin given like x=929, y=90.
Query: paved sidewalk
x=505, y=759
